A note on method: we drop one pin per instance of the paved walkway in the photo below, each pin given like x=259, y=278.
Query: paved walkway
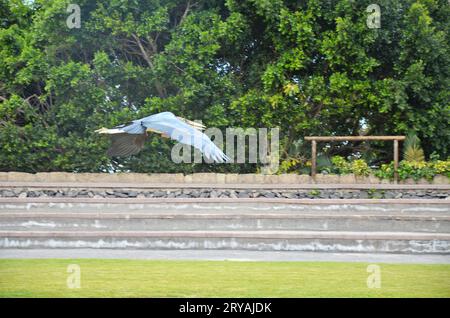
x=231, y=255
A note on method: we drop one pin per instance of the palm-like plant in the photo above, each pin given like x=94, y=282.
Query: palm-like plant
x=412, y=151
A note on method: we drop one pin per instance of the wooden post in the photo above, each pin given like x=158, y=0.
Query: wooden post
x=315, y=139
x=395, y=160
x=313, y=158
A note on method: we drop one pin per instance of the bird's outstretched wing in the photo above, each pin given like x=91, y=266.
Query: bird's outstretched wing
x=126, y=144
x=129, y=139
x=185, y=132
x=126, y=140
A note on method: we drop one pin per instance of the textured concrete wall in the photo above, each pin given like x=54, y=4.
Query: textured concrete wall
x=202, y=178
x=183, y=191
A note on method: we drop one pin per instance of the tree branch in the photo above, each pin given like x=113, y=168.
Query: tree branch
x=158, y=86
x=185, y=13
x=143, y=51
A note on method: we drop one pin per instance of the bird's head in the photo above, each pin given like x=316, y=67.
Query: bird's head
x=102, y=130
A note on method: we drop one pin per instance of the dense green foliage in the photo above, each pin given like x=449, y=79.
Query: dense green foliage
x=310, y=67
x=407, y=169
x=415, y=170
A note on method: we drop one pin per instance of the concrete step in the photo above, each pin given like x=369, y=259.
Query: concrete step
x=221, y=221
x=395, y=226
x=341, y=207
x=330, y=241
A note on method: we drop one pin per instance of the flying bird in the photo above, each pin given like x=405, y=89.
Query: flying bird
x=129, y=139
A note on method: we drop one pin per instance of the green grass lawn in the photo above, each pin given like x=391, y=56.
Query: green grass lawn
x=152, y=278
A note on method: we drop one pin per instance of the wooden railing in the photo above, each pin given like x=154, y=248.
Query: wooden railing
x=315, y=139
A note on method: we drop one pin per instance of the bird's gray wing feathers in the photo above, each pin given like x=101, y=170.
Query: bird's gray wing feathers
x=135, y=127
x=125, y=144
x=129, y=139
x=180, y=131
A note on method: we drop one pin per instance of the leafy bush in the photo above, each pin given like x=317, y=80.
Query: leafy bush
x=386, y=171
x=340, y=165
x=360, y=168
x=407, y=169
x=288, y=165
x=442, y=167
x=414, y=170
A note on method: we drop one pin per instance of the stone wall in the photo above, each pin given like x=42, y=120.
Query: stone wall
x=202, y=178
x=226, y=193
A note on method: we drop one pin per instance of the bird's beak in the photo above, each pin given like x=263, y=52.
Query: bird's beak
x=101, y=130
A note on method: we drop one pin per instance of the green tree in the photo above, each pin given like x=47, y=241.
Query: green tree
x=309, y=67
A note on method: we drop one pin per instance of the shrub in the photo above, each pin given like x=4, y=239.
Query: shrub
x=289, y=165
x=414, y=170
x=407, y=169
x=340, y=165
x=386, y=171
x=360, y=168
x=442, y=167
